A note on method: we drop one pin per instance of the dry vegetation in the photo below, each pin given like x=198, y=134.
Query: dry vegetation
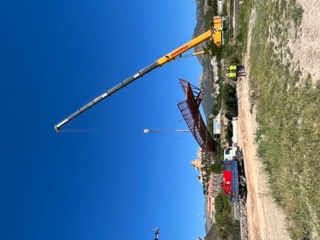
x=288, y=116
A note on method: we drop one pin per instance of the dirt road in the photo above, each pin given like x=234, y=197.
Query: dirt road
x=265, y=219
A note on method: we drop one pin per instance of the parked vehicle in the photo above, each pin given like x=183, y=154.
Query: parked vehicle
x=233, y=174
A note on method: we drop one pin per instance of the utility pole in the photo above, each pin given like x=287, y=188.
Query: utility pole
x=156, y=233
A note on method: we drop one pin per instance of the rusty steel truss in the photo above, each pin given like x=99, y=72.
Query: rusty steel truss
x=189, y=109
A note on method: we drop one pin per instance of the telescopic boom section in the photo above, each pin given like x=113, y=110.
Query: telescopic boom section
x=159, y=62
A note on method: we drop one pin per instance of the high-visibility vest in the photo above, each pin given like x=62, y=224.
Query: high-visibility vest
x=233, y=68
x=232, y=74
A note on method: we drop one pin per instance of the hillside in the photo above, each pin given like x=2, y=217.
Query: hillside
x=206, y=77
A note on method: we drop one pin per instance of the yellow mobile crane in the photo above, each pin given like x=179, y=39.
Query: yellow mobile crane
x=215, y=32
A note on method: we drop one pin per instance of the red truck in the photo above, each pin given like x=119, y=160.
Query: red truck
x=233, y=174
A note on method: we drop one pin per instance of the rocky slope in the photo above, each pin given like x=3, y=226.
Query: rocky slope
x=206, y=77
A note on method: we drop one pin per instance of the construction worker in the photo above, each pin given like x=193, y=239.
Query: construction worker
x=238, y=69
x=233, y=68
x=232, y=75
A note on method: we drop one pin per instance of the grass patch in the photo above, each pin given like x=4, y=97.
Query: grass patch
x=242, y=21
x=288, y=115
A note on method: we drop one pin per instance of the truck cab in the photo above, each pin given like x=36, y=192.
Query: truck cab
x=230, y=153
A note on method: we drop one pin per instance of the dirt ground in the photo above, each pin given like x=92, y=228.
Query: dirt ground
x=306, y=49
x=265, y=219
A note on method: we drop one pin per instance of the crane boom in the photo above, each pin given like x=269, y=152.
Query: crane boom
x=215, y=29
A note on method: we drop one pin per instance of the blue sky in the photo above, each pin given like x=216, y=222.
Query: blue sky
x=109, y=180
